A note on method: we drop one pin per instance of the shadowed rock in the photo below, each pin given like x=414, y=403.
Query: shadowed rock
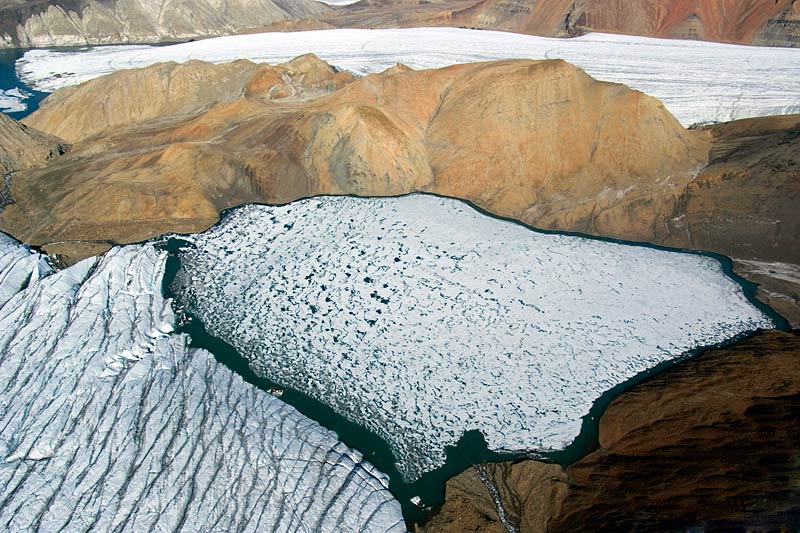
x=708, y=443
x=22, y=147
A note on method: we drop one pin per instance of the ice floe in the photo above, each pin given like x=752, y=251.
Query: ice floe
x=698, y=81
x=13, y=100
x=109, y=422
x=420, y=318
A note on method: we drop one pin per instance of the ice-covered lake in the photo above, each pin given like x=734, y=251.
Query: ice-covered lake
x=420, y=318
x=698, y=81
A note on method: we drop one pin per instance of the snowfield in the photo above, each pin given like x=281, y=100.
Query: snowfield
x=697, y=81
x=420, y=319
x=108, y=422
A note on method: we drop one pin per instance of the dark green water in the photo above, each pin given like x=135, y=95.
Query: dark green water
x=472, y=448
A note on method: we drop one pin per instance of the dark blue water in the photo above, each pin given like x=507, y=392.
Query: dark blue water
x=24, y=97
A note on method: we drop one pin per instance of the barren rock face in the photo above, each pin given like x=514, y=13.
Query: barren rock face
x=783, y=28
x=22, y=147
x=178, y=89
x=766, y=22
x=491, y=497
x=744, y=205
x=715, y=446
x=527, y=139
x=71, y=22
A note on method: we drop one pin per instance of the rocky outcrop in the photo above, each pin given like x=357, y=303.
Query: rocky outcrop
x=743, y=204
x=782, y=29
x=22, y=147
x=539, y=141
x=766, y=22
x=76, y=22
x=178, y=89
x=709, y=443
x=501, y=497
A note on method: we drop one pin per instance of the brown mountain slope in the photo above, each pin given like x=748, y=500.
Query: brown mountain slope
x=744, y=205
x=174, y=89
x=709, y=443
x=75, y=22
x=765, y=22
x=22, y=147
x=540, y=141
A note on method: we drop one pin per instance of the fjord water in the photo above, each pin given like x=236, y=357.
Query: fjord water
x=470, y=449
x=17, y=99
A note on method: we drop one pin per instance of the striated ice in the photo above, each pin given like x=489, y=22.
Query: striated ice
x=18, y=267
x=108, y=422
x=697, y=81
x=420, y=319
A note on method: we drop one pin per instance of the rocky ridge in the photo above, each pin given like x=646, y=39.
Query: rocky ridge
x=76, y=22
x=41, y=23
x=392, y=133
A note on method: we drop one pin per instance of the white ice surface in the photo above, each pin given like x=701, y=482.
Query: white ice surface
x=420, y=318
x=13, y=100
x=698, y=81
x=18, y=266
x=108, y=422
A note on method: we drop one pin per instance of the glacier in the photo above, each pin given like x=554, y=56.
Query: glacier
x=420, y=318
x=110, y=422
x=698, y=81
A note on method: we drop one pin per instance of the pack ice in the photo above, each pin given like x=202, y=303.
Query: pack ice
x=420, y=318
x=108, y=422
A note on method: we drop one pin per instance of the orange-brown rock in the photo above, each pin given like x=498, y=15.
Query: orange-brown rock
x=22, y=147
x=525, y=495
x=744, y=205
x=782, y=29
x=177, y=89
x=766, y=22
x=540, y=141
x=709, y=444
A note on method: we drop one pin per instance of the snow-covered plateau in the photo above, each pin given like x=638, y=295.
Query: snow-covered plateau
x=420, y=318
x=109, y=422
x=697, y=81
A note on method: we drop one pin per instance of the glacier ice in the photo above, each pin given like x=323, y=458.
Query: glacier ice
x=109, y=422
x=697, y=81
x=420, y=318
x=18, y=266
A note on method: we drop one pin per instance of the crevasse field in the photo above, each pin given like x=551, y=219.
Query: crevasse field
x=697, y=81
x=420, y=319
x=109, y=422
